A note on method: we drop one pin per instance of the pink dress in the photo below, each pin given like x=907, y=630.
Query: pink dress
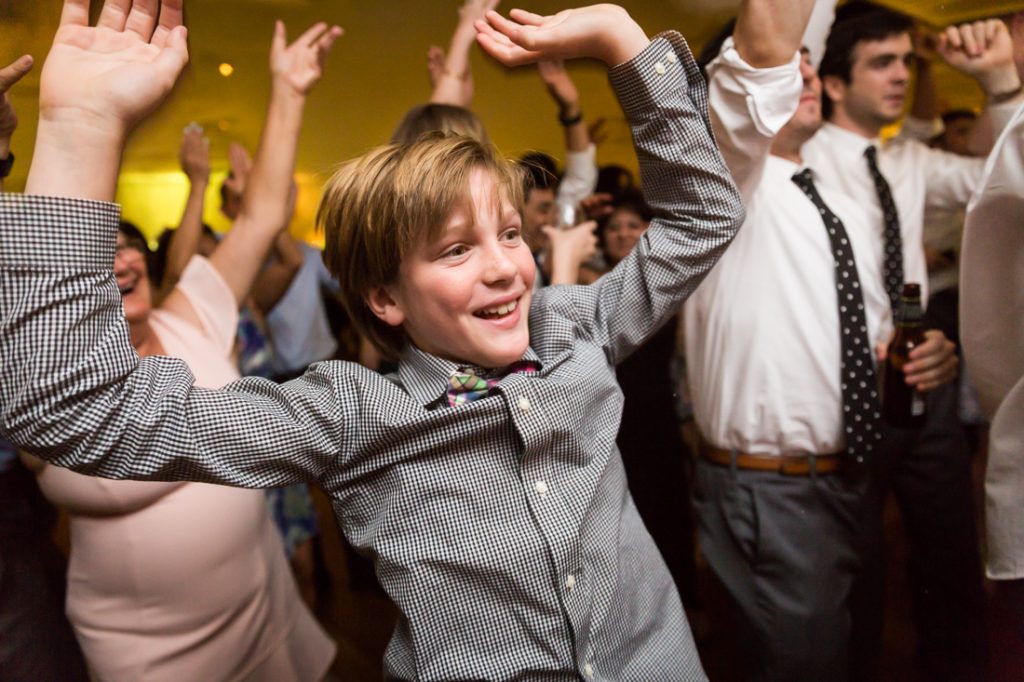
x=185, y=581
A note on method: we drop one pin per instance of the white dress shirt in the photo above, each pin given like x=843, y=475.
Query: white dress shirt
x=992, y=330
x=762, y=330
x=917, y=175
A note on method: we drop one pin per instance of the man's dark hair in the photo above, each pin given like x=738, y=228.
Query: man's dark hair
x=541, y=172
x=856, y=22
x=954, y=115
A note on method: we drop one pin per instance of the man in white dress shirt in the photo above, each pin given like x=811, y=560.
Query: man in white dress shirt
x=991, y=310
x=782, y=491
x=865, y=75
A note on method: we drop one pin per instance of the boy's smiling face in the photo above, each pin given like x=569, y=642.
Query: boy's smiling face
x=465, y=295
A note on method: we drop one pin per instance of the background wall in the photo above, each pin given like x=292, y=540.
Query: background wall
x=375, y=73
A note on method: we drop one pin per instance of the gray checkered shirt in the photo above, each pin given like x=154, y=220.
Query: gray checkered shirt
x=502, y=529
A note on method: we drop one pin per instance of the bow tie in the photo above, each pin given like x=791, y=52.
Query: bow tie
x=465, y=385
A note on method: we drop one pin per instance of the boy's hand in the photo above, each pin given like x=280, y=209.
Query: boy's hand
x=107, y=78
x=982, y=50
x=300, y=65
x=195, y=154
x=604, y=32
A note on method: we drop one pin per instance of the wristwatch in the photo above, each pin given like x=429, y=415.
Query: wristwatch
x=6, y=165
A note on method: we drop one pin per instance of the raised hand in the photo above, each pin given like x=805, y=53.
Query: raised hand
x=109, y=76
x=569, y=249
x=604, y=32
x=9, y=75
x=558, y=82
x=982, y=50
x=241, y=164
x=194, y=154
x=300, y=65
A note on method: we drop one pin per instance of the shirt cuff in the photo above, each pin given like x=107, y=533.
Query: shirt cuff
x=57, y=233
x=647, y=81
x=772, y=94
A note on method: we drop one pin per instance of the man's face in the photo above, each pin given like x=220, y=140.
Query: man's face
x=879, y=78
x=132, y=280
x=807, y=117
x=957, y=137
x=538, y=211
x=465, y=296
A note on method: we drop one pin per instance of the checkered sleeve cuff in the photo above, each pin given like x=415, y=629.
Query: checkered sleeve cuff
x=48, y=233
x=645, y=82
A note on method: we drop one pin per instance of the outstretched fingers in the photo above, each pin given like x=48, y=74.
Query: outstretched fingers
x=114, y=14
x=142, y=18
x=75, y=13
x=171, y=16
x=492, y=35
x=312, y=34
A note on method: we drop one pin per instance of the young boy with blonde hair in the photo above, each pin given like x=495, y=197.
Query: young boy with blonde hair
x=482, y=477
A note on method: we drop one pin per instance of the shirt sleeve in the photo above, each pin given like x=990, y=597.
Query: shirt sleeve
x=580, y=178
x=76, y=394
x=212, y=300
x=950, y=179
x=685, y=181
x=748, y=108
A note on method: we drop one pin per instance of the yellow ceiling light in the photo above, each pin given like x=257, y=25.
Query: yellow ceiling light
x=225, y=69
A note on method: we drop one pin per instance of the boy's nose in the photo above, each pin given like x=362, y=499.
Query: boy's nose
x=500, y=266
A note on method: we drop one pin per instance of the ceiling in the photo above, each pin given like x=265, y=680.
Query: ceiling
x=375, y=73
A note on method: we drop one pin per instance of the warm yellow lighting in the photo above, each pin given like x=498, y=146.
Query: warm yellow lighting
x=224, y=125
x=226, y=69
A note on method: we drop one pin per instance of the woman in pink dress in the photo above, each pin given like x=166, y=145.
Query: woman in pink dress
x=189, y=581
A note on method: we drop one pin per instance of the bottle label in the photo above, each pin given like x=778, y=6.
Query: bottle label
x=916, y=404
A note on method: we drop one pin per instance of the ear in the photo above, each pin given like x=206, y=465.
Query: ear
x=835, y=88
x=385, y=306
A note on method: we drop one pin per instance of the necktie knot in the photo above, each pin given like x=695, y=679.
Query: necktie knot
x=466, y=384
x=871, y=154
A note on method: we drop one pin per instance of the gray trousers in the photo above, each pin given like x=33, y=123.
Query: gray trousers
x=788, y=550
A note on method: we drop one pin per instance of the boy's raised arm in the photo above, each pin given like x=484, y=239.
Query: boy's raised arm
x=97, y=83
x=684, y=178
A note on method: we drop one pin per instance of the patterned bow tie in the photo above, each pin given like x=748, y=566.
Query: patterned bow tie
x=465, y=386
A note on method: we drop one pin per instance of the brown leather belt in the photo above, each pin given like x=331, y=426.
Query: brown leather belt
x=790, y=465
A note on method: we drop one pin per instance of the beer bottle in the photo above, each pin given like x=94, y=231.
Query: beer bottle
x=902, y=404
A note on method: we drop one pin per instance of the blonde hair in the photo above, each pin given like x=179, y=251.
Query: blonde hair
x=377, y=207
x=446, y=118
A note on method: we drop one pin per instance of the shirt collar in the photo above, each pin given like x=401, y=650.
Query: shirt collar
x=848, y=140
x=425, y=376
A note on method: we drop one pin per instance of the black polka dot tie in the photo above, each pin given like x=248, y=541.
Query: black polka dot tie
x=893, y=262
x=861, y=406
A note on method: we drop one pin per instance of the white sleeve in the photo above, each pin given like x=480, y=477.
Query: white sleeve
x=748, y=108
x=580, y=178
x=818, y=27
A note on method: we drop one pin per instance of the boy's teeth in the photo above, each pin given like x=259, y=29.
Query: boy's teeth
x=503, y=309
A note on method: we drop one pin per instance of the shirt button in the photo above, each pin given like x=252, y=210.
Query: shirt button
x=524, y=404
x=588, y=670
x=670, y=57
x=570, y=582
x=659, y=69
x=541, y=487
